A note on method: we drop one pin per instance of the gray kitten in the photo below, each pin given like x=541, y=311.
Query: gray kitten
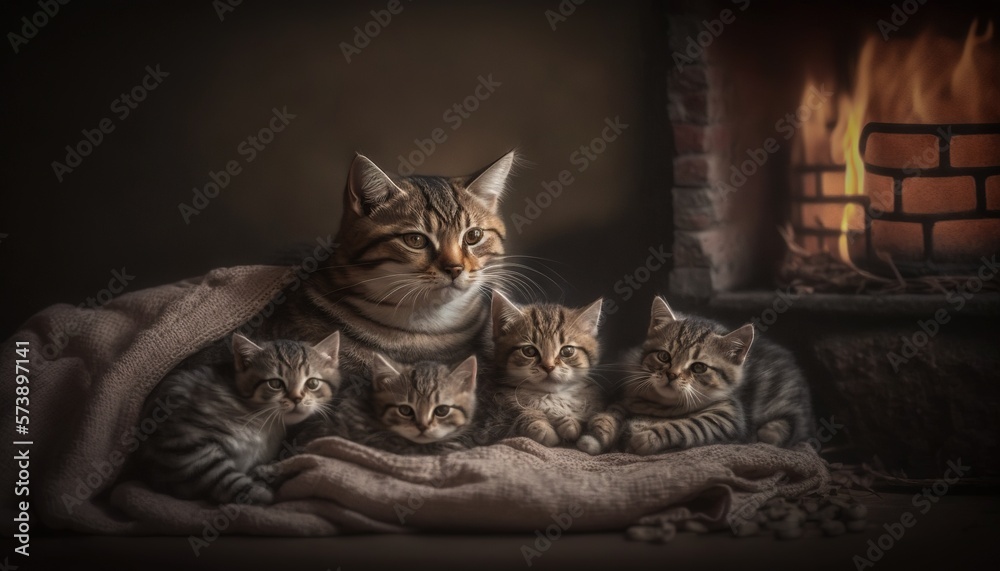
x=227, y=422
x=694, y=382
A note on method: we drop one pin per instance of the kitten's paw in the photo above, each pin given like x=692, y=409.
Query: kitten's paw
x=542, y=432
x=569, y=428
x=267, y=473
x=775, y=432
x=258, y=494
x=589, y=444
x=644, y=442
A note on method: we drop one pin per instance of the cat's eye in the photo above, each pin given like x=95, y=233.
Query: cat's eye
x=567, y=351
x=442, y=410
x=699, y=367
x=415, y=241
x=312, y=384
x=406, y=410
x=275, y=384
x=663, y=356
x=529, y=351
x=474, y=236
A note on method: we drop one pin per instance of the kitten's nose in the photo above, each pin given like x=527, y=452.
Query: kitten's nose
x=453, y=271
x=421, y=426
x=672, y=376
x=296, y=399
x=548, y=368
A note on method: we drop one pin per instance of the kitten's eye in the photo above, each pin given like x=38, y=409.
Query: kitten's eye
x=663, y=356
x=529, y=351
x=567, y=351
x=415, y=241
x=699, y=367
x=474, y=236
x=406, y=410
x=275, y=384
x=442, y=410
x=312, y=384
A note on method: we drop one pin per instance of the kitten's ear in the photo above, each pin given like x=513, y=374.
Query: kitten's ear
x=368, y=187
x=660, y=314
x=243, y=350
x=330, y=347
x=489, y=185
x=466, y=371
x=504, y=313
x=737, y=344
x=590, y=316
x=383, y=372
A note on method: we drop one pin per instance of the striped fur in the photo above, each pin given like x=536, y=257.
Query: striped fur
x=543, y=356
x=425, y=408
x=415, y=255
x=694, y=382
x=227, y=422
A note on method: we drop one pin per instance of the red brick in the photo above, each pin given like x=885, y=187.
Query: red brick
x=975, y=150
x=965, y=241
x=993, y=193
x=833, y=183
x=881, y=192
x=820, y=215
x=808, y=185
x=931, y=195
x=902, y=151
x=904, y=241
x=693, y=138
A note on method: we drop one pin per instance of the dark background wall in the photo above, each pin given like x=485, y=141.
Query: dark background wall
x=120, y=207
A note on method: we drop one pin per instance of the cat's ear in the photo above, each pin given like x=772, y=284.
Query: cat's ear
x=590, y=317
x=243, y=350
x=660, y=314
x=368, y=186
x=384, y=372
x=489, y=185
x=330, y=348
x=504, y=313
x=466, y=371
x=737, y=344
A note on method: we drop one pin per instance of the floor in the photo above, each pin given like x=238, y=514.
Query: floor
x=956, y=531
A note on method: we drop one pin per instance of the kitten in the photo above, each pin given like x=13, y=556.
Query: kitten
x=413, y=257
x=228, y=421
x=543, y=357
x=425, y=408
x=697, y=383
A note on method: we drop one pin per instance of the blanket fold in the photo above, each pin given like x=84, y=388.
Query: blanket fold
x=90, y=371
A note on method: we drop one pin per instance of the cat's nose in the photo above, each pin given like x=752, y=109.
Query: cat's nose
x=453, y=271
x=548, y=368
x=672, y=376
x=296, y=399
x=421, y=426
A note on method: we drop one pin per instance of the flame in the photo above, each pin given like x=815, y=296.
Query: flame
x=927, y=79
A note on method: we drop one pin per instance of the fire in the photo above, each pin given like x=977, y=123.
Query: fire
x=927, y=79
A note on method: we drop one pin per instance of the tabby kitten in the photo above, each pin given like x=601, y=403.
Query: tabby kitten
x=697, y=383
x=228, y=421
x=543, y=356
x=414, y=254
x=425, y=408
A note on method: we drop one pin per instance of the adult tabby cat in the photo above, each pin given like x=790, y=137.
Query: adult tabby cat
x=543, y=355
x=694, y=382
x=406, y=281
x=425, y=408
x=227, y=422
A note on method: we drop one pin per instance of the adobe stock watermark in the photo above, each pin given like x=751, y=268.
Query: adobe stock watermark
x=581, y=158
x=696, y=45
x=782, y=302
x=561, y=522
x=225, y=7
x=30, y=26
x=563, y=11
x=454, y=117
x=122, y=107
x=928, y=328
x=364, y=34
x=130, y=440
x=899, y=17
x=228, y=513
x=248, y=148
x=633, y=282
x=60, y=334
x=924, y=501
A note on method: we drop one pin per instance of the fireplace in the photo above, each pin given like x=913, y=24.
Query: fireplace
x=839, y=186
